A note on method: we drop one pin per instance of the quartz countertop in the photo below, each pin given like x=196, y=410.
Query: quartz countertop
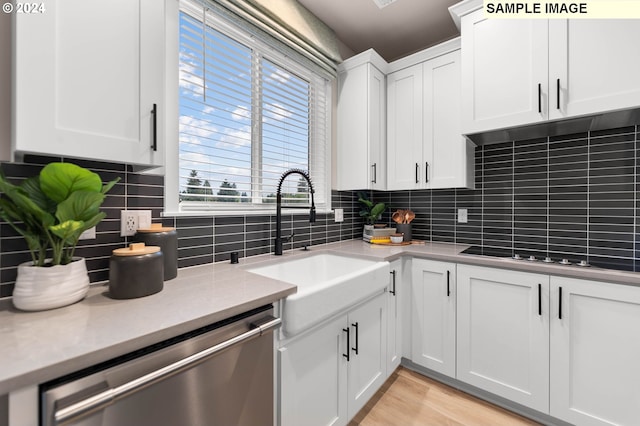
x=40, y=346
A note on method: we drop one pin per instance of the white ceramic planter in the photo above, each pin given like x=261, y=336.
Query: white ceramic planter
x=41, y=288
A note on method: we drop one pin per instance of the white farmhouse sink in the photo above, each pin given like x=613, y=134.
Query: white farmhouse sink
x=327, y=284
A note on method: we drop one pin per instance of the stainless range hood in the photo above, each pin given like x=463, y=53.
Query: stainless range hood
x=608, y=120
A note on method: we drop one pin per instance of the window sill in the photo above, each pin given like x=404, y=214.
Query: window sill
x=220, y=213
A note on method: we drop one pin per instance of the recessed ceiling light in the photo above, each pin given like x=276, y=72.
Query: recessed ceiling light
x=383, y=3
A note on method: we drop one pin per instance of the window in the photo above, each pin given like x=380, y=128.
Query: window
x=247, y=113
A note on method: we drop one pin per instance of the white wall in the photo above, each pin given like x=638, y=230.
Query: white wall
x=5, y=86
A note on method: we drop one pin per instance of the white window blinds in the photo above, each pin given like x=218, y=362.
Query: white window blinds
x=247, y=114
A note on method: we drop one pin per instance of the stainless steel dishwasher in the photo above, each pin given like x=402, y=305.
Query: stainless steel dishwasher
x=217, y=375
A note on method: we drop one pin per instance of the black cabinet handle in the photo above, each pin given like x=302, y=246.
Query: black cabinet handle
x=540, y=299
x=558, y=93
x=448, y=283
x=426, y=172
x=355, y=325
x=154, y=120
x=393, y=281
x=348, y=330
x=539, y=98
x=417, y=171
x=559, y=302
x=375, y=177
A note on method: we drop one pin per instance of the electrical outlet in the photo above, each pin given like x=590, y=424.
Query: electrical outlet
x=128, y=222
x=338, y=215
x=132, y=220
x=462, y=215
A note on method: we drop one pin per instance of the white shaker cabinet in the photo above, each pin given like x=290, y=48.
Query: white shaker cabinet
x=361, y=124
x=594, y=352
x=519, y=72
x=433, y=308
x=313, y=377
x=396, y=297
x=425, y=146
x=447, y=157
x=404, y=128
x=504, y=77
x=88, y=76
x=503, y=333
x=329, y=373
x=593, y=66
x=367, y=364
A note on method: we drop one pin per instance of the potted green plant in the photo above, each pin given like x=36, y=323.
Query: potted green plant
x=50, y=211
x=370, y=211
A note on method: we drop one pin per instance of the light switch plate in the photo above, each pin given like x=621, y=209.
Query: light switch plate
x=338, y=215
x=462, y=215
x=89, y=234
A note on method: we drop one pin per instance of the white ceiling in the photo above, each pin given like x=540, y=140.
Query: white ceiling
x=397, y=30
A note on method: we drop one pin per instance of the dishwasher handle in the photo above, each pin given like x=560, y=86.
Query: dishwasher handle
x=105, y=398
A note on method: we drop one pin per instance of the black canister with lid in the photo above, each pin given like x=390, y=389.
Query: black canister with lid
x=136, y=271
x=167, y=239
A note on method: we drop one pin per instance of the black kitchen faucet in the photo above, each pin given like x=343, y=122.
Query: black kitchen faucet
x=277, y=246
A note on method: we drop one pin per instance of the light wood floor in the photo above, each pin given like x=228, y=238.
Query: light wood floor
x=408, y=398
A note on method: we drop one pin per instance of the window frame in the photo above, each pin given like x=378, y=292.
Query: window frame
x=319, y=149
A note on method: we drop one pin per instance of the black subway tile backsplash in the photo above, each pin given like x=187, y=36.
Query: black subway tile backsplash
x=572, y=196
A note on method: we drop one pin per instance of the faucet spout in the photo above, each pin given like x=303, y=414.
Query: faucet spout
x=277, y=245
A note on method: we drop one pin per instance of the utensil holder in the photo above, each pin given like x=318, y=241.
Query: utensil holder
x=404, y=228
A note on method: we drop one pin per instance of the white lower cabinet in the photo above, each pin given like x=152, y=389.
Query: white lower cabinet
x=329, y=373
x=395, y=301
x=433, y=310
x=503, y=333
x=594, y=352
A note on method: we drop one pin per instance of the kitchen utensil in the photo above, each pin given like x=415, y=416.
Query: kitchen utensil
x=409, y=216
x=135, y=271
x=397, y=217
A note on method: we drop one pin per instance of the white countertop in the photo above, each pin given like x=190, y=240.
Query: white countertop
x=40, y=346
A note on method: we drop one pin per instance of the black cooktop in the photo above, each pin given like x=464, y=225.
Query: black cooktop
x=525, y=255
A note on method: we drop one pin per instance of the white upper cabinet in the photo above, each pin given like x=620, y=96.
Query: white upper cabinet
x=504, y=76
x=87, y=77
x=425, y=146
x=447, y=156
x=361, y=125
x=594, y=64
x=519, y=72
x=404, y=129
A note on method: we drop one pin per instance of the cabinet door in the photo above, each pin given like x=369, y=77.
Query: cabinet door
x=404, y=129
x=504, y=73
x=395, y=299
x=503, y=333
x=608, y=49
x=313, y=377
x=367, y=365
x=444, y=147
x=434, y=315
x=594, y=352
x=87, y=75
x=361, y=129
x=377, y=129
